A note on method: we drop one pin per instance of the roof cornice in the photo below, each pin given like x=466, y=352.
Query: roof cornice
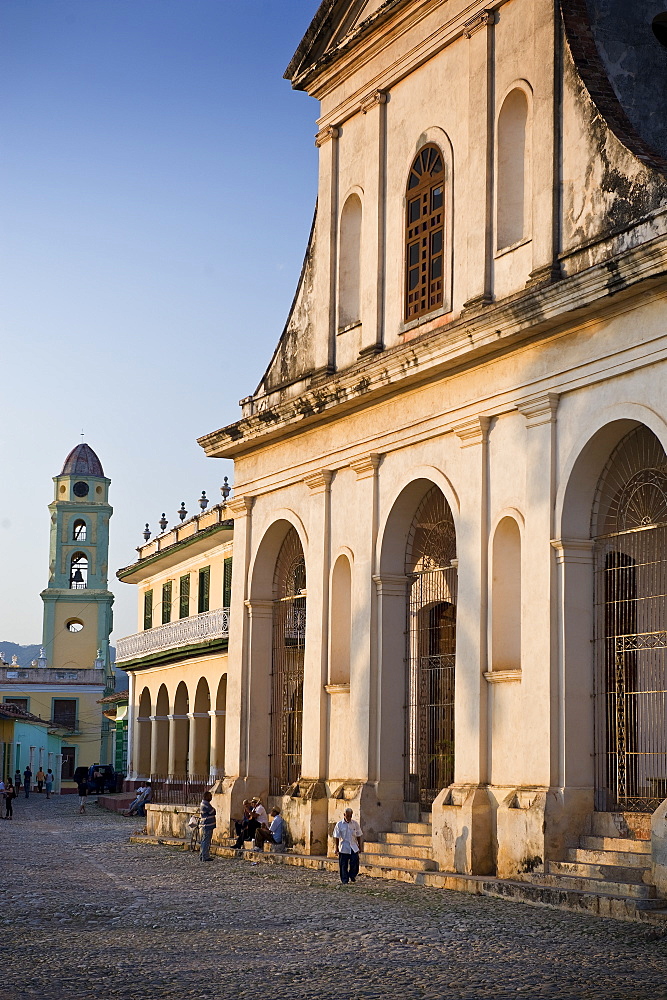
x=446, y=347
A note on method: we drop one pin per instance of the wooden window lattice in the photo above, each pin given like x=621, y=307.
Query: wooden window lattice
x=425, y=234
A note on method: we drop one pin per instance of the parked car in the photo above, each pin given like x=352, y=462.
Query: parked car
x=106, y=781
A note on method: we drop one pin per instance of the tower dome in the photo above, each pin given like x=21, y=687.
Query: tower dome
x=82, y=461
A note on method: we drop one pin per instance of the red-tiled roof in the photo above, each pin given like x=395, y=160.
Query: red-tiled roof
x=8, y=711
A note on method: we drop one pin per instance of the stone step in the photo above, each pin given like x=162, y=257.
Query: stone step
x=652, y=911
x=594, y=885
x=418, y=839
x=423, y=828
x=626, y=859
x=397, y=850
x=615, y=844
x=607, y=873
x=629, y=826
x=401, y=864
x=604, y=904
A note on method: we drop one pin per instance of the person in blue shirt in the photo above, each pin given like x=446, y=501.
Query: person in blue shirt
x=274, y=834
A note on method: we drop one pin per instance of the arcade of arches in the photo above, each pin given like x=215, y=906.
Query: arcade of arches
x=179, y=729
x=338, y=692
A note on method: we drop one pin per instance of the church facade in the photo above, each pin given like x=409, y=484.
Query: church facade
x=451, y=483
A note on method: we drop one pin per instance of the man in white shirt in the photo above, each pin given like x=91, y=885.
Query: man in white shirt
x=274, y=835
x=259, y=813
x=349, y=841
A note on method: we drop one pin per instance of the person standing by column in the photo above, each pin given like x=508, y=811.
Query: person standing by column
x=349, y=841
x=27, y=781
x=49, y=778
x=40, y=778
x=206, y=825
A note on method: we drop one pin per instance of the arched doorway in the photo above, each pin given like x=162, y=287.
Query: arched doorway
x=431, y=568
x=629, y=528
x=289, y=640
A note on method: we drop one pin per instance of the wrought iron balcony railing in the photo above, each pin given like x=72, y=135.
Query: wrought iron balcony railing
x=184, y=632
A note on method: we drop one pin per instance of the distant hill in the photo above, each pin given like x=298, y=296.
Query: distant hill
x=26, y=654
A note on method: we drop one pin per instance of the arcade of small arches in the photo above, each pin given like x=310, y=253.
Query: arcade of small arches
x=180, y=732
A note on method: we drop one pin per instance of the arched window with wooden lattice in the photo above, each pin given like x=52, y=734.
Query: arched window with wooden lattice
x=289, y=642
x=431, y=567
x=425, y=234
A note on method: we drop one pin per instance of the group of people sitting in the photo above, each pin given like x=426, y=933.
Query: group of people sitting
x=143, y=794
x=256, y=825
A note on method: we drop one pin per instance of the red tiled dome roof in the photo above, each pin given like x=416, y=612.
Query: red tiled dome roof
x=82, y=461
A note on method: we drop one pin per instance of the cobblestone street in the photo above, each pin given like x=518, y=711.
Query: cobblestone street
x=87, y=914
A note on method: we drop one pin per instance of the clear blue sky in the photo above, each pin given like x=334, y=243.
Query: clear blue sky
x=157, y=184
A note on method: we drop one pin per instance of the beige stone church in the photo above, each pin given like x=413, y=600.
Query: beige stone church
x=447, y=602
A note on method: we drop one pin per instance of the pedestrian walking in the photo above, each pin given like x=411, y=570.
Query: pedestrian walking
x=40, y=778
x=49, y=778
x=82, y=789
x=27, y=781
x=349, y=841
x=206, y=825
x=10, y=795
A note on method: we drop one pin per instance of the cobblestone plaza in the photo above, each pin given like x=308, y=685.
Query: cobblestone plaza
x=87, y=914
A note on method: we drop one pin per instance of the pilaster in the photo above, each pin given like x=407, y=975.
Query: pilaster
x=479, y=31
x=470, y=698
x=314, y=749
x=237, y=736
x=545, y=153
x=324, y=293
x=573, y=741
x=373, y=107
x=539, y=675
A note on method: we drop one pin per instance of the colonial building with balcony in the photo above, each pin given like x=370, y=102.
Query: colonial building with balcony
x=177, y=660
x=450, y=509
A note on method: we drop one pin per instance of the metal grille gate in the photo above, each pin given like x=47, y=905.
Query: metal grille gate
x=431, y=636
x=289, y=640
x=631, y=627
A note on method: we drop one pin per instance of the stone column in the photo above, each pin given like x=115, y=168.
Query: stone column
x=390, y=725
x=257, y=697
x=374, y=107
x=160, y=745
x=199, y=750
x=462, y=823
x=571, y=797
x=218, y=718
x=58, y=771
x=324, y=294
x=478, y=170
x=131, y=740
x=178, y=745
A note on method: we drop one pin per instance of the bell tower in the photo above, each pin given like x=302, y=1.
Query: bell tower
x=77, y=604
